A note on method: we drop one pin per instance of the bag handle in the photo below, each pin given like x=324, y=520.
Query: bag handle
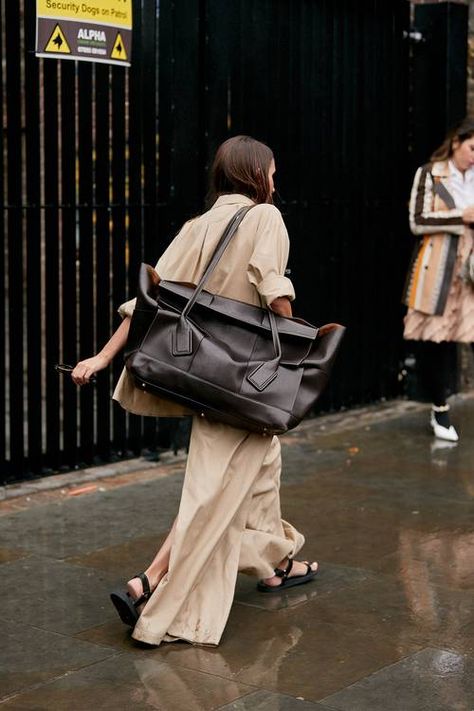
x=182, y=341
x=265, y=372
x=222, y=245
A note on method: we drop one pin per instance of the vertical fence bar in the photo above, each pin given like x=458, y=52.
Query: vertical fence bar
x=68, y=260
x=149, y=48
x=151, y=243
x=166, y=108
x=16, y=282
x=4, y=466
x=118, y=214
x=102, y=251
x=85, y=294
x=439, y=72
x=33, y=291
x=51, y=222
x=398, y=186
x=135, y=228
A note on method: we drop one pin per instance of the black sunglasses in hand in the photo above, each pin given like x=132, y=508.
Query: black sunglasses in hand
x=67, y=370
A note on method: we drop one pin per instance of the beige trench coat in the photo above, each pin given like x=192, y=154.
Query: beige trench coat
x=229, y=516
x=252, y=270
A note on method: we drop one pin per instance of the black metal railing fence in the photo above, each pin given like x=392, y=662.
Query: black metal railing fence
x=102, y=164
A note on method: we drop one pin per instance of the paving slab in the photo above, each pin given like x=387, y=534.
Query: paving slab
x=101, y=519
x=31, y=656
x=128, y=682
x=430, y=680
x=292, y=652
x=125, y=558
x=56, y=596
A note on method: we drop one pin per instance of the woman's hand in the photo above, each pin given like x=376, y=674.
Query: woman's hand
x=85, y=369
x=468, y=215
x=282, y=306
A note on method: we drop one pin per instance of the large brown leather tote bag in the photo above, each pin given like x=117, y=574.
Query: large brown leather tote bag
x=227, y=360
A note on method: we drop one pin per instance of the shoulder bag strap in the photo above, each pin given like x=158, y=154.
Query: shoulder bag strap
x=440, y=189
x=265, y=372
x=222, y=245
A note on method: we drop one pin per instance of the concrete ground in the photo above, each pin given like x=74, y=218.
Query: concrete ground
x=388, y=625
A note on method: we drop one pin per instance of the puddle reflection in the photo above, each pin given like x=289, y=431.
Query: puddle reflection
x=168, y=688
x=279, y=601
x=264, y=658
x=441, y=452
x=436, y=569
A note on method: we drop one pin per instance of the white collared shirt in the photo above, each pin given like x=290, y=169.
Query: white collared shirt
x=461, y=186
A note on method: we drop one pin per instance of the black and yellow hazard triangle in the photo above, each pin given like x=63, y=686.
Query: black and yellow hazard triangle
x=57, y=42
x=118, y=50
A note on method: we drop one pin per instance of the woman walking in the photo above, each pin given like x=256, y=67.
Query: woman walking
x=439, y=290
x=229, y=517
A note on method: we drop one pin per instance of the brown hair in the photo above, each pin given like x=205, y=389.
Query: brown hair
x=461, y=132
x=241, y=166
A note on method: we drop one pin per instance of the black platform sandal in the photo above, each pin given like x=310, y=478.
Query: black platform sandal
x=287, y=582
x=126, y=606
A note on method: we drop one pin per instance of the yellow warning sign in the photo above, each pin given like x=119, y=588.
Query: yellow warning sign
x=57, y=42
x=91, y=31
x=110, y=12
x=118, y=50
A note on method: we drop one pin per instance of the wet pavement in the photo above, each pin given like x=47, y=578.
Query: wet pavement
x=387, y=625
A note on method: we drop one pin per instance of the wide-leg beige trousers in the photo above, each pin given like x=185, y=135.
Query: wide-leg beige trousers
x=229, y=519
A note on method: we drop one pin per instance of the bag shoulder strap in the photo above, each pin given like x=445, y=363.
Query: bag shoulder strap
x=440, y=189
x=222, y=245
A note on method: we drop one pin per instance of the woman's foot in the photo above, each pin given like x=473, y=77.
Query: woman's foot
x=288, y=574
x=143, y=586
x=441, y=423
x=129, y=603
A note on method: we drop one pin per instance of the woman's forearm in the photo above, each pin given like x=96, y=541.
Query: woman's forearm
x=117, y=341
x=85, y=369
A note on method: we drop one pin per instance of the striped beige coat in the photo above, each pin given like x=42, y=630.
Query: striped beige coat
x=437, y=222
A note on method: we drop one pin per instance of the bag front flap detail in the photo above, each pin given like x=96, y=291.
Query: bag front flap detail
x=238, y=310
x=298, y=337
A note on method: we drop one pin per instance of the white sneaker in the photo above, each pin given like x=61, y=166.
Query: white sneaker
x=447, y=433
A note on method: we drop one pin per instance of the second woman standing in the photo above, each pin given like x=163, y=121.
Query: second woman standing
x=439, y=291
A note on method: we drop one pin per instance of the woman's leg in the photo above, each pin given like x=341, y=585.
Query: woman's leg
x=156, y=570
x=192, y=601
x=268, y=541
x=436, y=360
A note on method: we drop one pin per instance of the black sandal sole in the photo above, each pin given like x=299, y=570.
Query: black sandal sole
x=289, y=583
x=123, y=603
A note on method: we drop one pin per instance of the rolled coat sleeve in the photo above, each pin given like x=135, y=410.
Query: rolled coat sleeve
x=127, y=308
x=267, y=264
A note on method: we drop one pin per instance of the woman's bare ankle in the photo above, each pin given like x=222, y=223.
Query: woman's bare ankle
x=135, y=585
x=154, y=576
